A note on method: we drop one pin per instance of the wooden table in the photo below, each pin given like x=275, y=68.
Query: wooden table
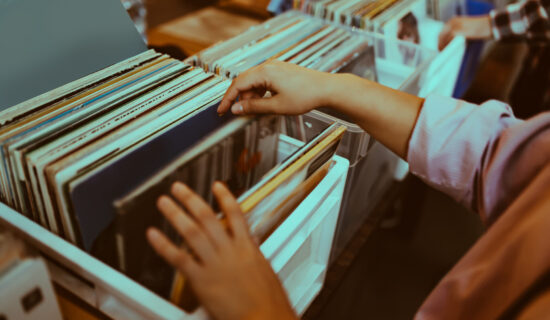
x=201, y=29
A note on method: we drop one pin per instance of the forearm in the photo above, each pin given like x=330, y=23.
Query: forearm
x=388, y=115
x=472, y=28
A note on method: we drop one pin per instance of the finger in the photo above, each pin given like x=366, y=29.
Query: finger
x=447, y=40
x=249, y=95
x=231, y=209
x=167, y=250
x=443, y=40
x=202, y=213
x=249, y=80
x=256, y=106
x=194, y=236
x=257, y=240
x=253, y=94
x=443, y=35
x=440, y=45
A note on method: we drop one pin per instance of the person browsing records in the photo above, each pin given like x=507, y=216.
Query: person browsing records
x=482, y=156
x=526, y=21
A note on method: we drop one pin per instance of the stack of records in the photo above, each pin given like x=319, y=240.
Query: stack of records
x=89, y=160
x=370, y=15
x=405, y=20
x=69, y=153
x=296, y=38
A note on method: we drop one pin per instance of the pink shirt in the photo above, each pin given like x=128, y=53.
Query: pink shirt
x=498, y=166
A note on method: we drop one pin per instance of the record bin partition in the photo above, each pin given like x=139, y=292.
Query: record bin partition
x=298, y=250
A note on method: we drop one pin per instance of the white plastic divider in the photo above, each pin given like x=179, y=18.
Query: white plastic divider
x=298, y=250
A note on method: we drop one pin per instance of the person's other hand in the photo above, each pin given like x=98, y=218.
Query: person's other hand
x=294, y=90
x=226, y=270
x=472, y=28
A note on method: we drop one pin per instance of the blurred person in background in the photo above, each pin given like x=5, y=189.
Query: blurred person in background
x=523, y=21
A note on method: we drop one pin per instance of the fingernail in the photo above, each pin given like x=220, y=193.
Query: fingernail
x=237, y=108
x=178, y=187
x=152, y=234
x=162, y=201
x=217, y=185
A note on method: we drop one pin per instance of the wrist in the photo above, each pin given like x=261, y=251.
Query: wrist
x=326, y=90
x=338, y=87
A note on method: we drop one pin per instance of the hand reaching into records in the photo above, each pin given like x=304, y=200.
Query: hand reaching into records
x=387, y=114
x=294, y=90
x=227, y=271
x=472, y=28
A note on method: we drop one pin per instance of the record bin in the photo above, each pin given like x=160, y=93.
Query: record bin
x=298, y=251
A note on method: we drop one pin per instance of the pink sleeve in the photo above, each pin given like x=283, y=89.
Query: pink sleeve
x=499, y=166
x=453, y=141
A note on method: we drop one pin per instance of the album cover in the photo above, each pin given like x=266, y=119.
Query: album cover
x=37, y=148
x=406, y=26
x=87, y=133
x=247, y=146
x=92, y=195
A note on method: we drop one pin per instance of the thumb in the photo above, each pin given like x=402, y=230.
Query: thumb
x=255, y=106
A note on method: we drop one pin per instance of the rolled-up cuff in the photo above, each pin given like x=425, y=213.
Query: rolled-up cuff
x=449, y=141
x=429, y=141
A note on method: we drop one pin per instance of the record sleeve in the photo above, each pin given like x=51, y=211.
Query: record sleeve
x=248, y=144
x=273, y=198
x=90, y=132
x=123, y=140
x=18, y=145
x=16, y=131
x=93, y=194
x=408, y=26
x=32, y=154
